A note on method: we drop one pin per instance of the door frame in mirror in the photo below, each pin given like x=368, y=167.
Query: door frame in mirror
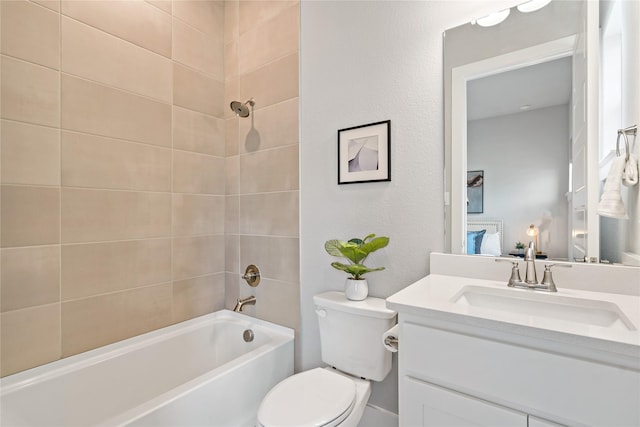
x=459, y=77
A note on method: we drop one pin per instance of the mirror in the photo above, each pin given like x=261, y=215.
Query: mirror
x=519, y=109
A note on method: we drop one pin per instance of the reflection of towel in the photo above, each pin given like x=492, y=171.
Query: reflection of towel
x=630, y=173
x=611, y=202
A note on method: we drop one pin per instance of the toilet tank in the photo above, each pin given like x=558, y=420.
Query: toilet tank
x=351, y=334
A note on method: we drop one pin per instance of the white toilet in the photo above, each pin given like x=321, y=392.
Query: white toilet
x=351, y=342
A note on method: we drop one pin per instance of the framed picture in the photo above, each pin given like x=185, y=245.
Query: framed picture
x=364, y=153
x=475, y=192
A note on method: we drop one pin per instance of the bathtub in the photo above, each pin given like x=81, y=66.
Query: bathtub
x=195, y=373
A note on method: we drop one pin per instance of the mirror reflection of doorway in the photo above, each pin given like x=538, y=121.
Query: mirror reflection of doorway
x=518, y=131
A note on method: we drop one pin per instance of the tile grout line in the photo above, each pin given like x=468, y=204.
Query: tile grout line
x=116, y=138
x=60, y=267
x=1, y=314
x=236, y=278
x=171, y=250
x=120, y=190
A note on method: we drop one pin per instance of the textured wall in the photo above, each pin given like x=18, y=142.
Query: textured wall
x=362, y=62
x=631, y=113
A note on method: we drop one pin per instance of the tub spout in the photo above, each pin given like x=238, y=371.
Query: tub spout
x=242, y=302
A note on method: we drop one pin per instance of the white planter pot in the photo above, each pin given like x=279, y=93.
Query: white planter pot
x=356, y=290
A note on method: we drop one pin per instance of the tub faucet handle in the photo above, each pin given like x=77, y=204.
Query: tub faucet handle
x=252, y=275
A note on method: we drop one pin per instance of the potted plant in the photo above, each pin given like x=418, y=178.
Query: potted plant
x=520, y=247
x=356, y=252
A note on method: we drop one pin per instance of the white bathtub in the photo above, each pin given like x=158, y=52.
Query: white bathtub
x=195, y=373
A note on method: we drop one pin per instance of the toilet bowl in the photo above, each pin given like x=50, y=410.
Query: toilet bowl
x=319, y=397
x=351, y=344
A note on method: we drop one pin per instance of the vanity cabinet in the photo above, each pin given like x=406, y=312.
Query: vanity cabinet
x=429, y=405
x=459, y=374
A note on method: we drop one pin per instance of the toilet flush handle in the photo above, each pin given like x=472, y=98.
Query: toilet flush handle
x=321, y=313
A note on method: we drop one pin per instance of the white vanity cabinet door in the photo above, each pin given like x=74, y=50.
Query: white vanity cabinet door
x=535, y=381
x=427, y=405
x=539, y=422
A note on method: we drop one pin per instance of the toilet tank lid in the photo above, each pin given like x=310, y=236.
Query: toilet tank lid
x=370, y=306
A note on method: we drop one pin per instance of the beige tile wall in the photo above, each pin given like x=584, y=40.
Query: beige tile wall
x=262, y=183
x=131, y=197
x=112, y=168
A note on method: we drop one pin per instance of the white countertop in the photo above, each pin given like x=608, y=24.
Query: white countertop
x=434, y=299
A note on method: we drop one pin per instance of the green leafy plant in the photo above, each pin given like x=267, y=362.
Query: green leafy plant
x=519, y=245
x=356, y=252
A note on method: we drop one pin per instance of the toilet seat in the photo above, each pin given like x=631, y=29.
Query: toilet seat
x=317, y=397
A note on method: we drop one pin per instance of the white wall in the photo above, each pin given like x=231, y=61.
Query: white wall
x=623, y=236
x=631, y=109
x=525, y=158
x=362, y=62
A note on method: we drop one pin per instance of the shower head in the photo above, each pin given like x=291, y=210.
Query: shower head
x=241, y=109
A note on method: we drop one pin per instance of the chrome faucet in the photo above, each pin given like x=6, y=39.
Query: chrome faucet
x=531, y=279
x=530, y=276
x=251, y=300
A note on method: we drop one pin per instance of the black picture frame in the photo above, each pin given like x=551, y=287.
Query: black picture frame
x=364, y=153
x=475, y=192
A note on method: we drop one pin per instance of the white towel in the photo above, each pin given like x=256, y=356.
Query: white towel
x=630, y=173
x=611, y=201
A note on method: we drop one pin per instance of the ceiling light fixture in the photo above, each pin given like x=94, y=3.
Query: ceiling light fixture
x=493, y=19
x=532, y=5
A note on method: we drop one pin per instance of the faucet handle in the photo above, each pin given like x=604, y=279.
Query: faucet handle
x=555, y=264
x=252, y=275
x=515, y=271
x=547, y=278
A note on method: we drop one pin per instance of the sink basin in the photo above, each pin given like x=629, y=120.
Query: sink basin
x=548, y=306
